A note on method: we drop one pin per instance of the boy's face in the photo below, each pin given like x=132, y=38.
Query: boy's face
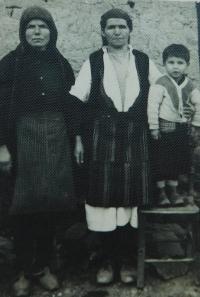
x=176, y=67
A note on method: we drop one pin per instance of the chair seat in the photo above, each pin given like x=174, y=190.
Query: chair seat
x=189, y=209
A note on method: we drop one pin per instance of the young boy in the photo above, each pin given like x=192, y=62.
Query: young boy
x=173, y=106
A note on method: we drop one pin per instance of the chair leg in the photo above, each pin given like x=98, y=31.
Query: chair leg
x=141, y=252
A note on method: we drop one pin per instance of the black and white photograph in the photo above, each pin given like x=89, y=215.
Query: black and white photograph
x=99, y=148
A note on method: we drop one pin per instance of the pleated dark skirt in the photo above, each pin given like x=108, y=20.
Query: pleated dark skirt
x=118, y=163
x=43, y=166
x=172, y=155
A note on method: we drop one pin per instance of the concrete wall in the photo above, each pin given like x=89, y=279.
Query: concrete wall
x=156, y=25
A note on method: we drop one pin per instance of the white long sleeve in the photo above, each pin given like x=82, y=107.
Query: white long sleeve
x=195, y=100
x=154, y=73
x=156, y=94
x=82, y=86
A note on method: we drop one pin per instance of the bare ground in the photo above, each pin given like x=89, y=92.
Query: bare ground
x=79, y=281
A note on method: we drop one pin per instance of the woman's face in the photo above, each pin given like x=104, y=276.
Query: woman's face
x=37, y=34
x=116, y=33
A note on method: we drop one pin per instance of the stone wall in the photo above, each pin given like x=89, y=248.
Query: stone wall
x=156, y=25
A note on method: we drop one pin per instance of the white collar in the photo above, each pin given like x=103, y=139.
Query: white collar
x=105, y=48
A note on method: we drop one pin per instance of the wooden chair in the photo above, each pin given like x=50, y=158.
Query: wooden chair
x=187, y=213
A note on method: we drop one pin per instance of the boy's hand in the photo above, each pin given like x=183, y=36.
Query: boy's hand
x=188, y=111
x=155, y=134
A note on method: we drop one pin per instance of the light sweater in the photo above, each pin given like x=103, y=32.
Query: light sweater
x=167, y=100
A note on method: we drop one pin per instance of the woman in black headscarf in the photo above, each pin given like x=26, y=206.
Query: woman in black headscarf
x=36, y=123
x=113, y=84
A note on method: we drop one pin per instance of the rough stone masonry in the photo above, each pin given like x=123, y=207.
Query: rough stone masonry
x=157, y=23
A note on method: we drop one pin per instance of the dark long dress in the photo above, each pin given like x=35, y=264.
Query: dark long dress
x=36, y=126
x=117, y=142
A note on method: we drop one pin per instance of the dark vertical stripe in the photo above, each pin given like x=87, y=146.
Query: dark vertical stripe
x=95, y=139
x=106, y=194
x=145, y=182
x=129, y=142
x=113, y=143
x=127, y=177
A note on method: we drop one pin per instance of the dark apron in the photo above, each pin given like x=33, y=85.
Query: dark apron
x=44, y=172
x=118, y=163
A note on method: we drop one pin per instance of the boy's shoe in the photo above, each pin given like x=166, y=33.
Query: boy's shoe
x=21, y=286
x=163, y=200
x=48, y=280
x=176, y=199
x=105, y=274
x=128, y=274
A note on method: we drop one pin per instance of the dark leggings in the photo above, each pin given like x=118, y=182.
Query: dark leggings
x=119, y=245
x=33, y=241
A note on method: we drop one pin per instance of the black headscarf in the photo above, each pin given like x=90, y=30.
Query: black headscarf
x=39, y=13
x=31, y=63
x=116, y=13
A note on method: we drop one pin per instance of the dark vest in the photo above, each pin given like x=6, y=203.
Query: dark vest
x=100, y=104
x=166, y=82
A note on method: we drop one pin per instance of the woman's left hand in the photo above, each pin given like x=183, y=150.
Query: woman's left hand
x=5, y=159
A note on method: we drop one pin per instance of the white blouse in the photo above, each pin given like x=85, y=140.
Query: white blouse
x=82, y=86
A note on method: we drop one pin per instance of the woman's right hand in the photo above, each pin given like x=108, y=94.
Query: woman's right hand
x=155, y=134
x=79, y=151
x=5, y=159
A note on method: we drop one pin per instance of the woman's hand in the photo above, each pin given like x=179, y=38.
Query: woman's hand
x=5, y=159
x=79, y=150
x=155, y=134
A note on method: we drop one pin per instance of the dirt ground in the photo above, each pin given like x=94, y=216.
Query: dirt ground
x=78, y=280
